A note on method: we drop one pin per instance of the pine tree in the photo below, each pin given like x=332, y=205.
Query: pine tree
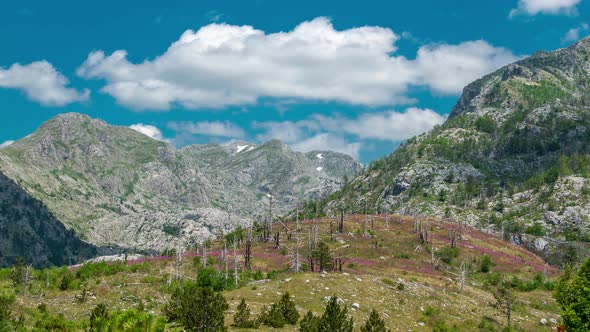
x=288, y=309
x=309, y=323
x=197, y=308
x=324, y=257
x=274, y=317
x=242, y=316
x=374, y=323
x=335, y=318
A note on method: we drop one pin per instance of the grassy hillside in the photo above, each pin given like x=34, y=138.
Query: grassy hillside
x=386, y=267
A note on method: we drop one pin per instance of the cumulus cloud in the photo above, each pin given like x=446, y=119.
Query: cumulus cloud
x=222, y=65
x=448, y=68
x=345, y=134
x=6, y=143
x=150, y=131
x=41, y=83
x=208, y=128
x=574, y=34
x=389, y=126
x=534, y=7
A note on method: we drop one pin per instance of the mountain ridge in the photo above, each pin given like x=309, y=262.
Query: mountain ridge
x=116, y=186
x=514, y=153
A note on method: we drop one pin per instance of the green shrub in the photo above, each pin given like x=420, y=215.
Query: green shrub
x=447, y=254
x=309, y=323
x=131, y=320
x=572, y=292
x=242, y=316
x=486, y=264
x=374, y=323
x=197, y=308
x=536, y=229
x=335, y=317
x=288, y=309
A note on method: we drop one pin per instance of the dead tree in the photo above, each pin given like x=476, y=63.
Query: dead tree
x=225, y=257
x=331, y=231
x=204, y=253
x=248, y=255
x=277, y=238
x=236, y=276
x=270, y=221
x=338, y=263
x=341, y=225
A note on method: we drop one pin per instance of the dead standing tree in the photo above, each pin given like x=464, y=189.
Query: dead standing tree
x=248, y=254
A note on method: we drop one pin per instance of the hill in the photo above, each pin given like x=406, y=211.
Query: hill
x=385, y=266
x=30, y=231
x=513, y=154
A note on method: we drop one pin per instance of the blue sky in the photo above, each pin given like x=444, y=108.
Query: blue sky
x=357, y=77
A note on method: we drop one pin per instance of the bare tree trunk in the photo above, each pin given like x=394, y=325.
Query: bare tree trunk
x=236, y=277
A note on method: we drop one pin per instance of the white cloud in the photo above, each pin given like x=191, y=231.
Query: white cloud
x=208, y=128
x=389, y=126
x=42, y=83
x=286, y=131
x=346, y=135
x=574, y=34
x=150, y=131
x=534, y=7
x=330, y=142
x=6, y=143
x=448, y=68
x=222, y=65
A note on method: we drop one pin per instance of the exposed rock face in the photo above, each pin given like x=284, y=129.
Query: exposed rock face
x=515, y=150
x=29, y=230
x=115, y=186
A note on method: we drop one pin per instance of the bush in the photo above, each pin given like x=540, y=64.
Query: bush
x=288, y=309
x=447, y=254
x=281, y=313
x=274, y=317
x=573, y=295
x=242, y=316
x=536, y=229
x=66, y=281
x=374, y=323
x=99, y=312
x=211, y=278
x=54, y=323
x=309, y=323
x=335, y=317
x=197, y=308
x=486, y=264
x=129, y=321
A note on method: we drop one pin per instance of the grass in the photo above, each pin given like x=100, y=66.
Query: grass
x=391, y=272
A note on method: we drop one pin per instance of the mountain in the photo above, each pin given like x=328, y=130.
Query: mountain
x=514, y=153
x=29, y=230
x=242, y=175
x=115, y=186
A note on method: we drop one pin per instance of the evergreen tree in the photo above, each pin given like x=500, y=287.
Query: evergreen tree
x=374, y=323
x=288, y=309
x=309, y=323
x=573, y=295
x=335, y=318
x=274, y=317
x=242, y=316
x=17, y=272
x=197, y=308
x=323, y=256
